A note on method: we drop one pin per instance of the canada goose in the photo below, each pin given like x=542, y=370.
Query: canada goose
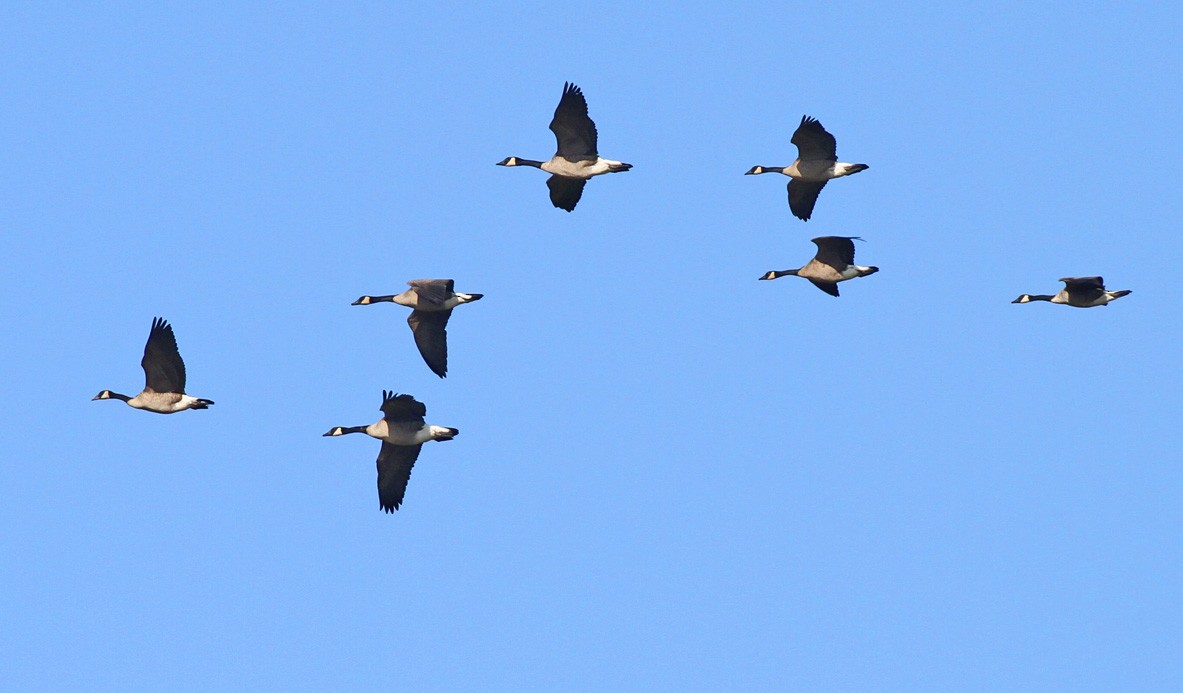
x=817, y=162
x=1078, y=292
x=833, y=263
x=577, y=159
x=164, y=376
x=403, y=433
x=433, y=301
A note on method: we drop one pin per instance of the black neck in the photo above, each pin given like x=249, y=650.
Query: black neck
x=529, y=162
x=122, y=398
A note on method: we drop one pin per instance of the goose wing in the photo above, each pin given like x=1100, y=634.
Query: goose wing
x=803, y=196
x=1083, y=282
x=431, y=336
x=829, y=287
x=164, y=371
x=573, y=129
x=813, y=142
x=402, y=408
x=565, y=192
x=835, y=251
x=433, y=291
x=394, y=471
x=1087, y=288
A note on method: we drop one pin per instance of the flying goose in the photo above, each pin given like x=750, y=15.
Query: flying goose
x=1079, y=292
x=577, y=158
x=164, y=376
x=432, y=301
x=403, y=433
x=817, y=162
x=833, y=263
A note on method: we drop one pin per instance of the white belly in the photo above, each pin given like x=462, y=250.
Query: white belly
x=578, y=169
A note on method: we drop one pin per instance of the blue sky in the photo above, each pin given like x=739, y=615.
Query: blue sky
x=669, y=475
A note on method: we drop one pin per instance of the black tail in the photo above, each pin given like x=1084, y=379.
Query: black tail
x=202, y=404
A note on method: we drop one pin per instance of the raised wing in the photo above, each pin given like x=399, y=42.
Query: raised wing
x=402, y=408
x=829, y=287
x=574, y=130
x=835, y=251
x=394, y=471
x=433, y=291
x=803, y=196
x=431, y=336
x=565, y=192
x=164, y=371
x=813, y=142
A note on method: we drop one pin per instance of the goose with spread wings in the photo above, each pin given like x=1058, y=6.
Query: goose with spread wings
x=403, y=431
x=833, y=263
x=1078, y=292
x=164, y=376
x=578, y=158
x=432, y=301
x=817, y=163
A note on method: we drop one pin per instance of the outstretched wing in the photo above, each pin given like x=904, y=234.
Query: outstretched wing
x=565, y=192
x=394, y=471
x=802, y=196
x=813, y=142
x=431, y=336
x=433, y=291
x=829, y=287
x=835, y=251
x=164, y=371
x=574, y=130
x=402, y=408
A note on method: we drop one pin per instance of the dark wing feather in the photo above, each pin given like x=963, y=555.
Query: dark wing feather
x=835, y=251
x=828, y=287
x=394, y=471
x=1084, y=288
x=431, y=336
x=813, y=142
x=574, y=130
x=802, y=196
x=1084, y=283
x=402, y=408
x=164, y=371
x=565, y=192
x=433, y=291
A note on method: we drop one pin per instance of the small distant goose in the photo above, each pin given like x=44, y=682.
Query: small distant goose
x=577, y=158
x=833, y=263
x=433, y=301
x=1078, y=292
x=164, y=376
x=817, y=162
x=403, y=432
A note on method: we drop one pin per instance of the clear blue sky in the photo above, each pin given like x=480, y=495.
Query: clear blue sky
x=669, y=475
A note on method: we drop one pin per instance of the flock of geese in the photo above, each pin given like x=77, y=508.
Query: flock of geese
x=403, y=429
